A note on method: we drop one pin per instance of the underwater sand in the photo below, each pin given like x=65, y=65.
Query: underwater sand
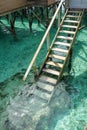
x=14, y=59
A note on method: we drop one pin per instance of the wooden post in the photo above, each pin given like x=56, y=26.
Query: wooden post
x=70, y=60
x=47, y=23
x=47, y=17
x=58, y=18
x=12, y=22
x=35, y=71
x=67, y=4
x=48, y=41
x=30, y=17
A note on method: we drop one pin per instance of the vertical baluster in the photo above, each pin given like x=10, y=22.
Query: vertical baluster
x=48, y=41
x=59, y=18
x=35, y=71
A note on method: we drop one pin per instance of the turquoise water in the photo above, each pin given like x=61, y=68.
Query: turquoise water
x=77, y=117
x=14, y=59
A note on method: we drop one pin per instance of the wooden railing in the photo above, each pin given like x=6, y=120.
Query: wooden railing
x=46, y=36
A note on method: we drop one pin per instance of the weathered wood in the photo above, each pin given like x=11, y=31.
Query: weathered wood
x=74, y=11
x=50, y=71
x=54, y=64
x=59, y=18
x=48, y=41
x=57, y=57
x=45, y=2
x=70, y=60
x=66, y=4
x=62, y=43
x=48, y=79
x=8, y=6
x=69, y=32
x=69, y=26
x=71, y=16
x=71, y=21
x=45, y=86
x=40, y=94
x=60, y=50
x=64, y=37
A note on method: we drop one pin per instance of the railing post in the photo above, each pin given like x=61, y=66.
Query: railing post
x=35, y=71
x=58, y=18
x=48, y=41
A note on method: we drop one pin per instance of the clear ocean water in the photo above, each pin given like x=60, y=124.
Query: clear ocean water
x=15, y=56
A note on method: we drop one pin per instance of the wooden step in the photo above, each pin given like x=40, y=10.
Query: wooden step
x=74, y=11
x=57, y=57
x=69, y=32
x=69, y=26
x=62, y=43
x=42, y=95
x=54, y=64
x=65, y=37
x=45, y=86
x=50, y=71
x=71, y=21
x=48, y=79
x=60, y=50
x=72, y=16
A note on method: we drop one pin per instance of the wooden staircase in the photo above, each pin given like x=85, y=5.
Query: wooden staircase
x=57, y=56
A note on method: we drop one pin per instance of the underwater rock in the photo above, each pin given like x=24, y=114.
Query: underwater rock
x=29, y=112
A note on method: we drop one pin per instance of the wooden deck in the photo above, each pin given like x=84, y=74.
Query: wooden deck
x=7, y=6
x=45, y=2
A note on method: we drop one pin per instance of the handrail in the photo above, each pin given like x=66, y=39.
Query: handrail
x=43, y=40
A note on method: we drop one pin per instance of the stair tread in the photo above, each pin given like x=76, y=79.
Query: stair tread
x=62, y=43
x=73, y=16
x=71, y=21
x=45, y=86
x=54, y=72
x=74, y=11
x=48, y=79
x=65, y=31
x=60, y=50
x=69, y=26
x=54, y=64
x=57, y=56
x=65, y=37
x=41, y=94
